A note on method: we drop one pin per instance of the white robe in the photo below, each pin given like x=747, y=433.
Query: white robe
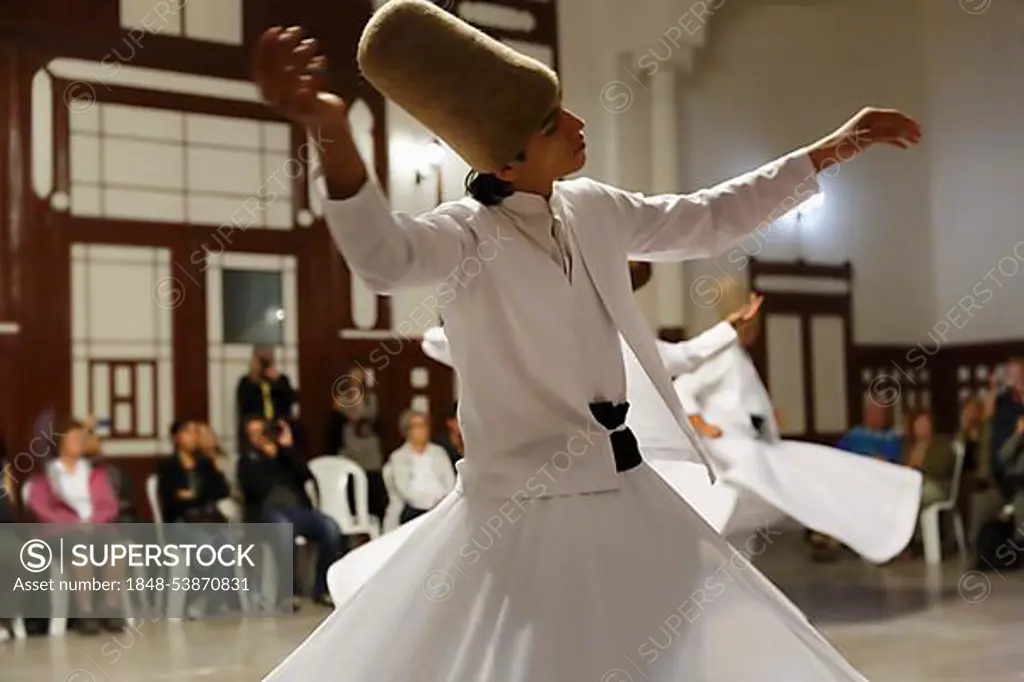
x=869, y=505
x=661, y=441
x=547, y=563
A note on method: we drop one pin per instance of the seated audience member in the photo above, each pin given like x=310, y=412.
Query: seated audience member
x=1011, y=459
x=422, y=470
x=190, y=489
x=126, y=511
x=70, y=489
x=1004, y=405
x=452, y=440
x=354, y=432
x=972, y=438
x=931, y=454
x=209, y=445
x=273, y=478
x=874, y=438
x=190, y=483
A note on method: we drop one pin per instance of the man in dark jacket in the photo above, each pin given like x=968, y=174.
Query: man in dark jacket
x=273, y=478
x=265, y=390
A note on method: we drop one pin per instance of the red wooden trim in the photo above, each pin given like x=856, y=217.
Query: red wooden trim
x=175, y=101
x=214, y=239
x=61, y=138
x=807, y=361
x=8, y=171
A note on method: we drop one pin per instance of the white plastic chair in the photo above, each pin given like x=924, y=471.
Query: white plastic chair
x=176, y=599
x=929, y=519
x=393, y=514
x=333, y=474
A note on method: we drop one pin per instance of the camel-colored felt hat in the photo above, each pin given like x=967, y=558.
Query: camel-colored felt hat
x=481, y=97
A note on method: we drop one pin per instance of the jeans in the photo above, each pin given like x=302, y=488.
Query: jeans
x=317, y=528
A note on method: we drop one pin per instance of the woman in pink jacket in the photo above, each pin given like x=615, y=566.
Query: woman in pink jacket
x=72, y=490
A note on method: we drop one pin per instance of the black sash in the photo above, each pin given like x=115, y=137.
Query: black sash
x=624, y=444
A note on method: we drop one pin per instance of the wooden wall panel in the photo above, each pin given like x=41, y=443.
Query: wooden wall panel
x=35, y=239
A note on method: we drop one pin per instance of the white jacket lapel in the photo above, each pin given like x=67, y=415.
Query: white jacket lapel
x=611, y=279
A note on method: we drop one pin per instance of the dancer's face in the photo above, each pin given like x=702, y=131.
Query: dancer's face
x=556, y=150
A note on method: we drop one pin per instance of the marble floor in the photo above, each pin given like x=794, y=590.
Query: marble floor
x=898, y=623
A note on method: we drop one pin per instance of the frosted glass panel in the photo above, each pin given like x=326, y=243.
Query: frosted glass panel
x=223, y=131
x=786, y=370
x=154, y=124
x=123, y=381
x=85, y=200
x=145, y=395
x=214, y=20
x=144, y=205
x=85, y=158
x=828, y=342
x=152, y=16
x=224, y=171
x=207, y=168
x=141, y=163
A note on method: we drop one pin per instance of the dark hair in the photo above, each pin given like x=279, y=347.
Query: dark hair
x=62, y=429
x=488, y=189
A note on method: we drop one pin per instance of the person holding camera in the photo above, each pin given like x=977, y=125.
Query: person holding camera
x=273, y=479
x=265, y=390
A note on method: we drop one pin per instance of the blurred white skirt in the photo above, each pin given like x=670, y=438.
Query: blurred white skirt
x=620, y=586
x=869, y=505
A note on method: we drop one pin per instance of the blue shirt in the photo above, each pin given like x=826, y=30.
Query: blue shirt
x=863, y=441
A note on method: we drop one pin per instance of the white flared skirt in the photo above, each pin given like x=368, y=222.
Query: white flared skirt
x=618, y=586
x=869, y=505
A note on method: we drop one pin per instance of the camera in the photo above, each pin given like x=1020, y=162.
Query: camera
x=272, y=430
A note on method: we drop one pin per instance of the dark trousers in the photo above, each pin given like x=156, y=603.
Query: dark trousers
x=376, y=494
x=410, y=513
x=317, y=528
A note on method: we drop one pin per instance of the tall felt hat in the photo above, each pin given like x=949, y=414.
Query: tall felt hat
x=481, y=97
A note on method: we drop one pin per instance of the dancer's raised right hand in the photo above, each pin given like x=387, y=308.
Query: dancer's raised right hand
x=292, y=78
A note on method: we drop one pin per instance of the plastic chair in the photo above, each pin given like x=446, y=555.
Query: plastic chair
x=929, y=518
x=332, y=474
x=176, y=599
x=393, y=514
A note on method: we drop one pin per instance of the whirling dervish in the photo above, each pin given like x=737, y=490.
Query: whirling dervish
x=869, y=505
x=560, y=552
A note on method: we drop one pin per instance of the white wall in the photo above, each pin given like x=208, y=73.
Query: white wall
x=975, y=105
x=775, y=77
x=922, y=228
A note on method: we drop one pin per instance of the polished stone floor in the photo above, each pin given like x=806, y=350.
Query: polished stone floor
x=898, y=623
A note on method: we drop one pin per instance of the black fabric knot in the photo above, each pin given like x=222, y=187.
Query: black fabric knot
x=612, y=416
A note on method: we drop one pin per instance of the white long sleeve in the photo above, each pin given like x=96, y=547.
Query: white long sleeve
x=706, y=223
x=687, y=356
x=392, y=250
x=435, y=346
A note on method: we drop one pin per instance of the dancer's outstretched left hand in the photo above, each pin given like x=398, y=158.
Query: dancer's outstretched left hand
x=868, y=127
